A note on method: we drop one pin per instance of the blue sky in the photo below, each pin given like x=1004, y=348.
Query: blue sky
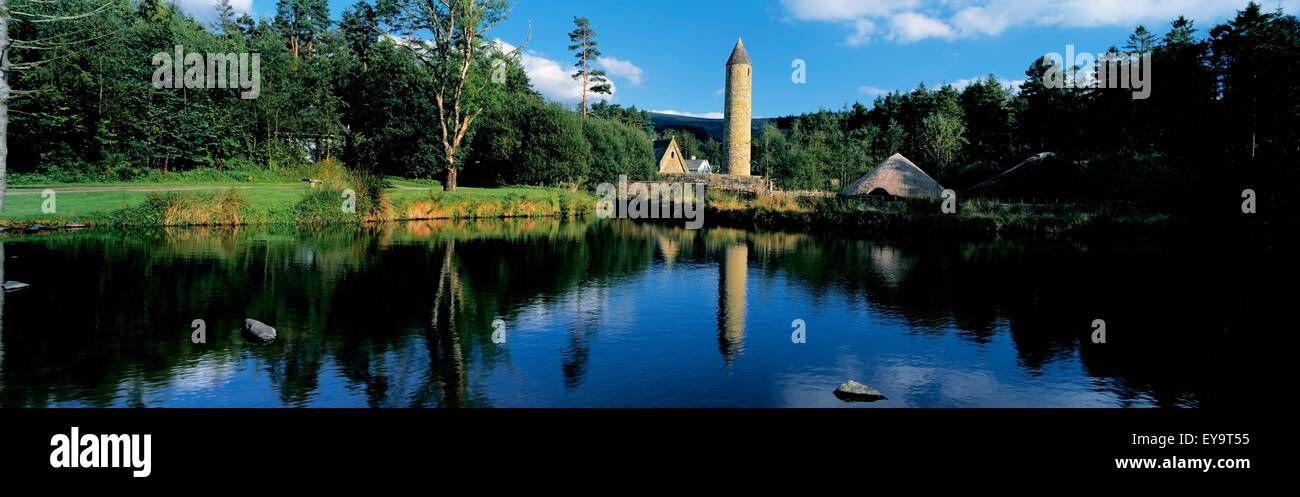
x=669, y=55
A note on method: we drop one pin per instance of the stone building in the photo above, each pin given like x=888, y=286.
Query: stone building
x=738, y=122
x=668, y=156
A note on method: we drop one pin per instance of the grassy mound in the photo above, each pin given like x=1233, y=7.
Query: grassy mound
x=220, y=208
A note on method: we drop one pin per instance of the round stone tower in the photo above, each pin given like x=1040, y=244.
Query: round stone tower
x=737, y=124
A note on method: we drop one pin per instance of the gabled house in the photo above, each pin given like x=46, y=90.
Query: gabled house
x=700, y=166
x=669, y=157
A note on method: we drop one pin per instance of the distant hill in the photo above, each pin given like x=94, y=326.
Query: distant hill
x=702, y=127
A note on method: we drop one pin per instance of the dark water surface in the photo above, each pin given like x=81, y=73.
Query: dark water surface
x=614, y=314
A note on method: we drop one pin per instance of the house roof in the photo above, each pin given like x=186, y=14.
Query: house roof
x=661, y=147
x=694, y=165
x=738, y=55
x=897, y=176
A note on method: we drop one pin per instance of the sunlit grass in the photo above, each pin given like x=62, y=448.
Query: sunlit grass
x=289, y=203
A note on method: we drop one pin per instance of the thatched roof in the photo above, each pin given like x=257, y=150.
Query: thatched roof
x=896, y=176
x=1043, y=176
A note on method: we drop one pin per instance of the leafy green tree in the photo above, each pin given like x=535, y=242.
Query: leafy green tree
x=629, y=115
x=1254, y=57
x=986, y=106
x=33, y=36
x=456, y=31
x=554, y=149
x=360, y=29
x=768, y=148
x=389, y=122
x=942, y=137
x=1183, y=113
x=301, y=23
x=226, y=19
x=1141, y=41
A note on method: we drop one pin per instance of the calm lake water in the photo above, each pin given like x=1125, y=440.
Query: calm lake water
x=614, y=314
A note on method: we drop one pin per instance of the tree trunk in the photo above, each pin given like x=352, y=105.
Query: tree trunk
x=450, y=185
x=4, y=100
x=584, y=79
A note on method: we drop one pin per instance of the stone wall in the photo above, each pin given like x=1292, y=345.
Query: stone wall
x=722, y=182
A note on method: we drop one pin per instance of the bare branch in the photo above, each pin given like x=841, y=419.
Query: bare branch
x=38, y=63
x=46, y=44
x=43, y=18
x=24, y=93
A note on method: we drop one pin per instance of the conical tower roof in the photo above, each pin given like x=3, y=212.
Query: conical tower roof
x=739, y=56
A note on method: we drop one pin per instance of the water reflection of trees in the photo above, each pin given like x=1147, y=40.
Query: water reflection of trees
x=399, y=311
x=403, y=313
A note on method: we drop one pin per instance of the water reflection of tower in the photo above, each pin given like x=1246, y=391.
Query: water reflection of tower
x=732, y=274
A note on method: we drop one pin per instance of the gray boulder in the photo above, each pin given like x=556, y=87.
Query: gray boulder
x=259, y=330
x=852, y=391
x=10, y=286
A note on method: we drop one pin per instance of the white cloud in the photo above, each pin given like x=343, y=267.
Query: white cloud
x=553, y=79
x=844, y=10
x=915, y=20
x=709, y=115
x=873, y=92
x=908, y=27
x=207, y=9
x=619, y=68
x=863, y=29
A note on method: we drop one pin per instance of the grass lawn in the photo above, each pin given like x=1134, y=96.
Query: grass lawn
x=94, y=203
x=79, y=203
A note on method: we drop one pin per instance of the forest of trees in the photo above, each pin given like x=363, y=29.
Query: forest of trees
x=1223, y=114
x=331, y=88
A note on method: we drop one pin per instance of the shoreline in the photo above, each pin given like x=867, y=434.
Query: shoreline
x=314, y=209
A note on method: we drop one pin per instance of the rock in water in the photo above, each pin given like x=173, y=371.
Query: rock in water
x=852, y=391
x=10, y=286
x=259, y=330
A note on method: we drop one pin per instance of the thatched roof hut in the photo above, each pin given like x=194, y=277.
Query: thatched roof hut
x=896, y=176
x=1043, y=176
